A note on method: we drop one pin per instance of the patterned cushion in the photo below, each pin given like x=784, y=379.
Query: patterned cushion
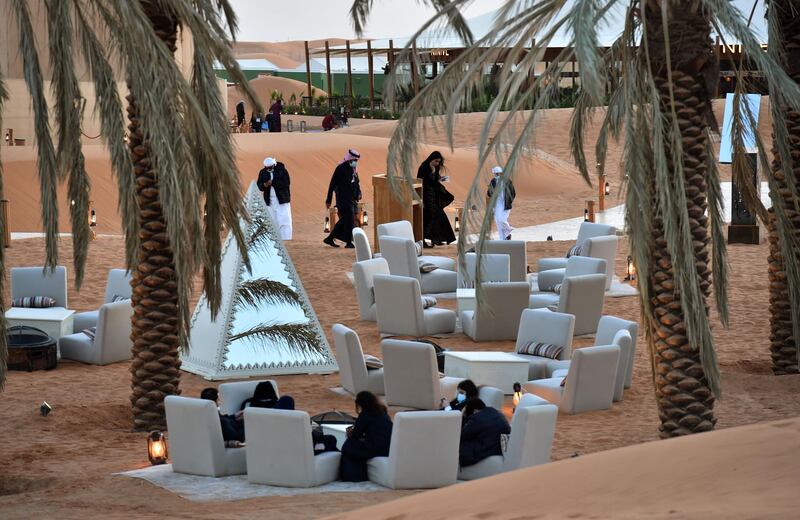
x=428, y=302
x=119, y=298
x=425, y=267
x=564, y=381
x=534, y=348
x=372, y=362
x=574, y=251
x=34, y=302
x=91, y=332
x=556, y=288
x=418, y=247
x=553, y=307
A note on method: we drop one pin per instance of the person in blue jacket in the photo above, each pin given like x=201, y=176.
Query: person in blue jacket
x=369, y=437
x=480, y=435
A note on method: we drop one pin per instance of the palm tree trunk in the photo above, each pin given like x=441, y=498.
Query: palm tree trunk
x=154, y=330
x=685, y=401
x=783, y=346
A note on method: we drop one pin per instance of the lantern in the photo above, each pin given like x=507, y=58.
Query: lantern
x=586, y=215
x=365, y=219
x=92, y=215
x=327, y=226
x=157, y=448
x=8, y=137
x=457, y=226
x=608, y=188
x=631, y=269
x=517, y=395
x=549, y=238
x=302, y=126
x=45, y=408
x=125, y=139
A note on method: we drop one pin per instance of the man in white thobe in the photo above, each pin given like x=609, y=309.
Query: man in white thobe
x=502, y=205
x=273, y=181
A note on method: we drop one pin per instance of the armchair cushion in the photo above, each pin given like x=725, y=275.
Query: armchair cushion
x=428, y=302
x=535, y=348
x=90, y=332
x=425, y=267
x=34, y=302
x=574, y=251
x=372, y=362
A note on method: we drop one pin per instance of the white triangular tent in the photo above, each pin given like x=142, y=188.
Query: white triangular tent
x=213, y=354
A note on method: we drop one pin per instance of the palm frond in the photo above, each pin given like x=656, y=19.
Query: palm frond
x=294, y=337
x=261, y=235
x=257, y=292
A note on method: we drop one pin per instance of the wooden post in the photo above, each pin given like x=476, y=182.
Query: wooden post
x=601, y=199
x=328, y=71
x=590, y=209
x=414, y=70
x=390, y=62
x=435, y=71
x=349, y=76
x=6, y=237
x=308, y=74
x=370, y=76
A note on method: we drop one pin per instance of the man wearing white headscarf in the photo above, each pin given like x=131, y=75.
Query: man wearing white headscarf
x=273, y=181
x=502, y=205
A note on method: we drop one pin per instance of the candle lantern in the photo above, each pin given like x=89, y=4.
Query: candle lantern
x=327, y=226
x=157, y=448
x=45, y=408
x=586, y=215
x=302, y=126
x=631, y=271
x=608, y=188
x=365, y=219
x=290, y=125
x=457, y=226
x=517, y=395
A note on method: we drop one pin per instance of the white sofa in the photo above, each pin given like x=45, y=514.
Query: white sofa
x=196, y=445
x=515, y=249
x=403, y=229
x=280, y=451
x=400, y=313
x=499, y=318
x=352, y=370
x=590, y=381
x=423, y=453
x=403, y=261
x=587, y=230
x=118, y=284
x=494, y=268
x=543, y=326
x=363, y=273
x=582, y=296
x=112, y=341
x=411, y=376
x=232, y=395
x=530, y=443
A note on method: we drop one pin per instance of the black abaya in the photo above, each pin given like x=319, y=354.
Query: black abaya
x=345, y=184
x=435, y=197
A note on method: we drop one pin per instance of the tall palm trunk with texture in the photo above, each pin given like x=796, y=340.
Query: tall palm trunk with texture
x=783, y=344
x=154, y=331
x=685, y=401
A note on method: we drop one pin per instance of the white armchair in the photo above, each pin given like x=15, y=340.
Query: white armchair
x=411, y=376
x=280, y=451
x=112, y=340
x=590, y=381
x=117, y=284
x=494, y=268
x=232, y=395
x=352, y=370
x=517, y=253
x=607, y=329
x=400, y=313
x=530, y=444
x=39, y=281
x=363, y=249
x=402, y=259
x=423, y=453
x=403, y=229
x=196, y=445
x=491, y=396
x=582, y=296
x=576, y=266
x=542, y=326
x=363, y=273
x=586, y=231
x=499, y=319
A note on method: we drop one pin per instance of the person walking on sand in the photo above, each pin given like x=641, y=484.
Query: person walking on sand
x=273, y=181
x=502, y=205
x=435, y=197
x=344, y=182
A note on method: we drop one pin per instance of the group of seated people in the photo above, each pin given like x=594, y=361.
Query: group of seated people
x=371, y=434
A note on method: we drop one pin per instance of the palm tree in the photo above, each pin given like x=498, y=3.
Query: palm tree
x=784, y=41
x=660, y=109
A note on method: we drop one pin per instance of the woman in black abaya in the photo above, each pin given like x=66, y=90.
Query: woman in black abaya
x=435, y=198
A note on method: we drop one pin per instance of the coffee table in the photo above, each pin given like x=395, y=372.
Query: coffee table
x=337, y=430
x=497, y=369
x=56, y=322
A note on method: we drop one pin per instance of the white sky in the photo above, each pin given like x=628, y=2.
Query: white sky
x=272, y=21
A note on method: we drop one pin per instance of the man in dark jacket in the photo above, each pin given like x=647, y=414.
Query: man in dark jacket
x=273, y=181
x=480, y=436
x=503, y=203
x=348, y=192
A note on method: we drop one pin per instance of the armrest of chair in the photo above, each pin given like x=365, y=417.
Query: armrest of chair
x=545, y=264
x=547, y=279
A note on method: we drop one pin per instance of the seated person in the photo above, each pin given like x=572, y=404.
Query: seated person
x=465, y=391
x=369, y=437
x=265, y=396
x=232, y=425
x=328, y=122
x=480, y=435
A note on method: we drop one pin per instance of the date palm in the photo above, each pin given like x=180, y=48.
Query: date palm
x=660, y=107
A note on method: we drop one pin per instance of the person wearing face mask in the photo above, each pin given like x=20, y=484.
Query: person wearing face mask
x=345, y=183
x=435, y=197
x=274, y=181
x=480, y=434
x=369, y=437
x=465, y=391
x=232, y=425
x=502, y=205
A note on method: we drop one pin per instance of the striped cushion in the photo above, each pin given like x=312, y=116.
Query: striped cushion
x=91, y=332
x=418, y=247
x=119, y=298
x=556, y=288
x=428, y=302
x=425, y=267
x=34, y=302
x=574, y=251
x=564, y=381
x=553, y=307
x=534, y=348
x=372, y=362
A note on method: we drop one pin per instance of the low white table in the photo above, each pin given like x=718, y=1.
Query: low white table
x=496, y=369
x=56, y=322
x=466, y=300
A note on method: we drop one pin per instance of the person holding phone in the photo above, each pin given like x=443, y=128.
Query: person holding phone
x=369, y=437
x=435, y=197
x=346, y=185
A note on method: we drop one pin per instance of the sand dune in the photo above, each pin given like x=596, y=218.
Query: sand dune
x=264, y=86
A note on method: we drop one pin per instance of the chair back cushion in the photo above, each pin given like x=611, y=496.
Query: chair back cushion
x=494, y=268
x=350, y=356
x=363, y=273
x=279, y=447
x=411, y=375
x=118, y=284
x=532, y=431
x=400, y=229
x=623, y=340
x=113, y=337
x=604, y=247
x=543, y=326
x=499, y=320
x=583, y=297
x=363, y=249
x=398, y=302
x=591, y=379
x=38, y=281
x=518, y=256
x=535, y=348
x=232, y=395
x=492, y=396
x=579, y=265
x=401, y=256
x=591, y=229
x=607, y=329
x=424, y=449
x=195, y=436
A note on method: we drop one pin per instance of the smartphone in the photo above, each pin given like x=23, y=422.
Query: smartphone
x=445, y=178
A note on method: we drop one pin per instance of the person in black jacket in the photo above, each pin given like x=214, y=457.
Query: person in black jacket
x=369, y=437
x=480, y=435
x=435, y=197
x=344, y=182
x=465, y=391
x=273, y=181
x=503, y=203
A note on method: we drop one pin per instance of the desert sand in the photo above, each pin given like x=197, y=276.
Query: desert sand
x=63, y=465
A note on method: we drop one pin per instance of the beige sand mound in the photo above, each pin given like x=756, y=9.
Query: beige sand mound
x=735, y=473
x=264, y=86
x=292, y=50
